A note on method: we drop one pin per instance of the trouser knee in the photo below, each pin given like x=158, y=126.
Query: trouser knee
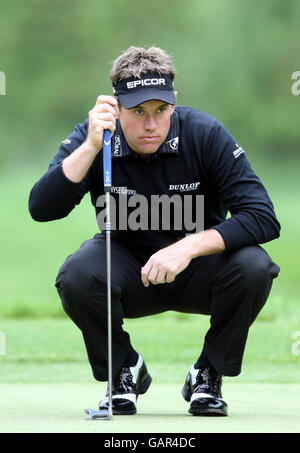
x=70, y=292
x=83, y=293
x=256, y=272
x=255, y=267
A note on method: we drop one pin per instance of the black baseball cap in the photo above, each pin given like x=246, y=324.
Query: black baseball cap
x=136, y=90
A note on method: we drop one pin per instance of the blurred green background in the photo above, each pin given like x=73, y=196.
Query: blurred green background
x=235, y=60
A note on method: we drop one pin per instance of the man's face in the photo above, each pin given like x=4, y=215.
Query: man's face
x=146, y=126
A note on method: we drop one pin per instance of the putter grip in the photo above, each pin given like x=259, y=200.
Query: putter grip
x=107, y=160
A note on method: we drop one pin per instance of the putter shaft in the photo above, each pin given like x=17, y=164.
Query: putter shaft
x=107, y=188
x=109, y=336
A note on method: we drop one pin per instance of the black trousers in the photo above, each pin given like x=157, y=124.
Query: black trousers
x=231, y=287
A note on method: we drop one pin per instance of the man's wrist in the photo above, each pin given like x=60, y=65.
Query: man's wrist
x=193, y=242
x=90, y=148
x=206, y=242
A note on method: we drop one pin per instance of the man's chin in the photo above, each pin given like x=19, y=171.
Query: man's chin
x=147, y=150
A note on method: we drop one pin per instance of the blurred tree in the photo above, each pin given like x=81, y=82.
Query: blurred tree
x=234, y=60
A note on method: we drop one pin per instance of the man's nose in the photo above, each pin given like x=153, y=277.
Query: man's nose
x=150, y=123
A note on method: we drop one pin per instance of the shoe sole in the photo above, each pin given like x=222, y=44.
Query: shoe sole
x=204, y=412
x=208, y=412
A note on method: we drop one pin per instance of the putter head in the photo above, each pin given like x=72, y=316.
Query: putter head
x=98, y=415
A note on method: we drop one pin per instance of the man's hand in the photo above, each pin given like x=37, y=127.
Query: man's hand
x=164, y=265
x=102, y=116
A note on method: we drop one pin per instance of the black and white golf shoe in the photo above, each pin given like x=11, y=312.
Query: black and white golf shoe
x=128, y=385
x=203, y=389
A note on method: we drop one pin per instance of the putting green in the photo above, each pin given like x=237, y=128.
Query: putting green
x=57, y=408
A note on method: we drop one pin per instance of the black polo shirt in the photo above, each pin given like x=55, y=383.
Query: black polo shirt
x=198, y=157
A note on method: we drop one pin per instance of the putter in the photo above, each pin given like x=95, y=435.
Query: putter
x=106, y=414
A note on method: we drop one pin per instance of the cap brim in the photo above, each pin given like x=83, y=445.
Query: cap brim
x=133, y=99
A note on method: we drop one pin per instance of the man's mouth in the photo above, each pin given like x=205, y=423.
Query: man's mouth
x=150, y=138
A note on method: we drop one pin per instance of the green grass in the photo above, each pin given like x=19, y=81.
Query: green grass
x=59, y=408
x=46, y=381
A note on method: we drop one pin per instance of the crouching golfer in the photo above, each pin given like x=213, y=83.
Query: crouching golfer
x=220, y=270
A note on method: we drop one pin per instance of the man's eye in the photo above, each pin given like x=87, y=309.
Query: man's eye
x=139, y=111
x=162, y=109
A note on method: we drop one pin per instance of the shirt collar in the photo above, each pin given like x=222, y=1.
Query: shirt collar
x=120, y=147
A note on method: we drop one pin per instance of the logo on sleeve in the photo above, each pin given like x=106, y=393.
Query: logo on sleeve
x=238, y=151
x=67, y=141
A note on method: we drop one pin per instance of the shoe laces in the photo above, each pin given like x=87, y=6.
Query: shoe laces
x=208, y=381
x=217, y=383
x=123, y=382
x=202, y=380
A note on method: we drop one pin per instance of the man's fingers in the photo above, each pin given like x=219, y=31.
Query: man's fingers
x=99, y=121
x=152, y=276
x=160, y=278
x=155, y=275
x=102, y=108
x=107, y=103
x=107, y=125
x=170, y=277
x=102, y=116
x=106, y=99
x=96, y=117
x=99, y=126
x=144, y=274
